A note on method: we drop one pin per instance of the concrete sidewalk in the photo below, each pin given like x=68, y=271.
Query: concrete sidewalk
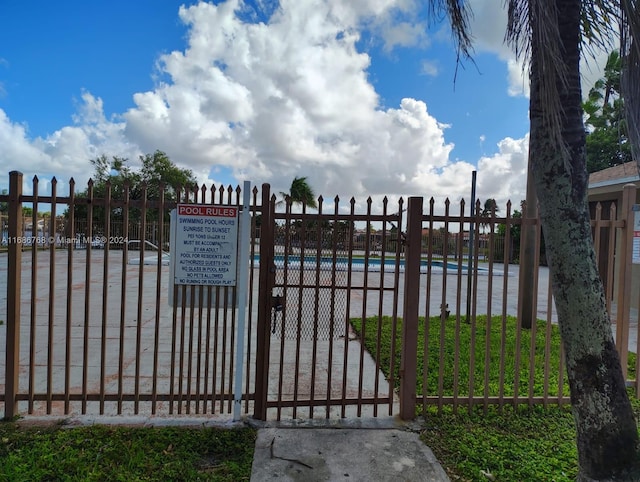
x=363, y=450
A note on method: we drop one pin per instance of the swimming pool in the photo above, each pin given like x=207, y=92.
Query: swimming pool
x=371, y=265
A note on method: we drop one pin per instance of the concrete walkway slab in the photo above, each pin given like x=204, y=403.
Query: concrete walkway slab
x=334, y=454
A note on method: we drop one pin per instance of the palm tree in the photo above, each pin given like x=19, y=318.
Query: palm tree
x=490, y=207
x=554, y=33
x=300, y=193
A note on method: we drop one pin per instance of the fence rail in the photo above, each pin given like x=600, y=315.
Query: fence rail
x=92, y=330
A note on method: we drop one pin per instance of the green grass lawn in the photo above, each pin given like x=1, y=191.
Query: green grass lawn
x=108, y=453
x=454, y=341
x=508, y=444
x=527, y=444
x=521, y=444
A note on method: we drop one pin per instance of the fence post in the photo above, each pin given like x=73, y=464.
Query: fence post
x=409, y=356
x=624, y=290
x=266, y=281
x=14, y=278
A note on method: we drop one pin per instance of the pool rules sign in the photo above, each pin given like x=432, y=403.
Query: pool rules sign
x=206, y=245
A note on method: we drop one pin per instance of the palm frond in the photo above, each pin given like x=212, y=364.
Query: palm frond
x=459, y=14
x=518, y=33
x=603, y=22
x=630, y=79
x=599, y=25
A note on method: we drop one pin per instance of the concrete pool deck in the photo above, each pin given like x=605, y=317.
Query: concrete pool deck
x=489, y=291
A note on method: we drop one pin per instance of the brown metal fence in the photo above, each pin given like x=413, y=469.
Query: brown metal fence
x=89, y=327
x=527, y=362
x=470, y=313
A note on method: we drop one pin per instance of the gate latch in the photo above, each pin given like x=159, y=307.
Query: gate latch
x=276, y=303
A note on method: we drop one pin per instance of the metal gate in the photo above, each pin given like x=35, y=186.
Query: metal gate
x=331, y=279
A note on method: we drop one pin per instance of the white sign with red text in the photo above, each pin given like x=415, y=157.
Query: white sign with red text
x=635, y=254
x=206, y=241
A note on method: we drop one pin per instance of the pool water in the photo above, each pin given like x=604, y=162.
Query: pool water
x=360, y=264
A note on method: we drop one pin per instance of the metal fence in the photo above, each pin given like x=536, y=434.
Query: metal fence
x=90, y=327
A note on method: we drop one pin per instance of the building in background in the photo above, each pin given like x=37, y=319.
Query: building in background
x=606, y=188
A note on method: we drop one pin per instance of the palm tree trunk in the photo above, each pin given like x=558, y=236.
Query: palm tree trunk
x=606, y=429
x=528, y=253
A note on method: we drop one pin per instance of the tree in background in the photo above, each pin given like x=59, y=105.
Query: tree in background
x=490, y=207
x=115, y=171
x=158, y=169
x=4, y=206
x=157, y=172
x=514, y=235
x=300, y=192
x=607, y=138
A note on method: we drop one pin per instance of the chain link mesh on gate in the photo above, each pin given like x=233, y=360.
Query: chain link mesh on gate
x=311, y=281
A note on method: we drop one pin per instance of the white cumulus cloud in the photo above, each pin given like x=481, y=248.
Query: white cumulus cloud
x=273, y=100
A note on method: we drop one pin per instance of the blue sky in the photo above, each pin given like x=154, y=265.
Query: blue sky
x=54, y=50
x=358, y=96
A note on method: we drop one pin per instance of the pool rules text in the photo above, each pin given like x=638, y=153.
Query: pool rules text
x=206, y=245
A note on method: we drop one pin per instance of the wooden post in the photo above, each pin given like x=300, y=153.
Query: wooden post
x=266, y=281
x=14, y=281
x=408, y=363
x=624, y=288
